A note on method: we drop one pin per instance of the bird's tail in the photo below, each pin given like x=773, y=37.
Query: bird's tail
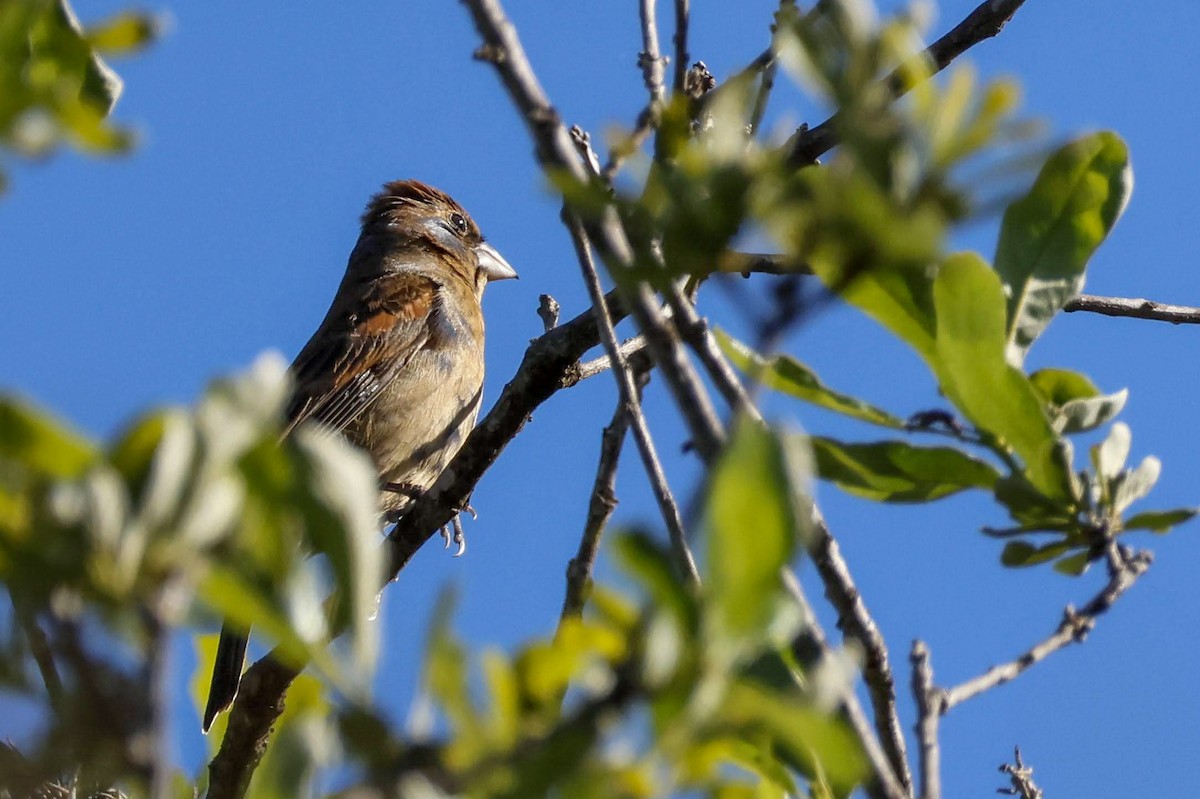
x=227, y=673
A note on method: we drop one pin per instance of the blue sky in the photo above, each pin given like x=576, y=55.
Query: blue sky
x=131, y=282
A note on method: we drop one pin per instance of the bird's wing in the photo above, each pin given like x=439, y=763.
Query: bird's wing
x=355, y=355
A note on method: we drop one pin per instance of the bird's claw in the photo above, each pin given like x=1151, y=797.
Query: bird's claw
x=454, y=532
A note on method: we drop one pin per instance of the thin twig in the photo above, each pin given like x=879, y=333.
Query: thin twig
x=650, y=59
x=857, y=624
x=627, y=387
x=39, y=647
x=812, y=648
x=1020, y=778
x=680, y=39
x=158, y=735
x=1132, y=307
x=695, y=330
x=1124, y=568
x=1135, y=308
x=930, y=707
x=601, y=505
x=548, y=310
x=987, y=20
x=602, y=363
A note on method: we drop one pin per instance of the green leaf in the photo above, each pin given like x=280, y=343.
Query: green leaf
x=1133, y=485
x=1022, y=553
x=123, y=33
x=1076, y=405
x=786, y=374
x=1081, y=415
x=752, y=526
x=898, y=299
x=894, y=471
x=39, y=443
x=1060, y=386
x=651, y=565
x=971, y=368
x=1159, y=521
x=1108, y=457
x=817, y=745
x=1048, y=235
x=1028, y=506
x=1073, y=565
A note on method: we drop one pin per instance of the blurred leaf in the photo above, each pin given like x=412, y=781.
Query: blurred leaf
x=1048, y=235
x=972, y=370
x=1133, y=485
x=1076, y=405
x=1060, y=386
x=1081, y=415
x=40, y=444
x=1073, y=565
x=54, y=86
x=899, y=299
x=1159, y=521
x=1022, y=553
x=818, y=745
x=786, y=374
x=643, y=558
x=124, y=32
x=894, y=471
x=1108, y=457
x=752, y=527
x=1028, y=506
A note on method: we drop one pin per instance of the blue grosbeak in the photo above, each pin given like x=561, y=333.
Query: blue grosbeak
x=397, y=364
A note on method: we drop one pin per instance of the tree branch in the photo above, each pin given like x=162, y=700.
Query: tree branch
x=626, y=385
x=1135, y=308
x=930, y=707
x=856, y=624
x=811, y=648
x=1124, y=568
x=987, y=20
x=600, y=507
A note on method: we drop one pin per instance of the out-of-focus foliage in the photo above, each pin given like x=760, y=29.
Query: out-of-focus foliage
x=729, y=711
x=104, y=550
x=55, y=86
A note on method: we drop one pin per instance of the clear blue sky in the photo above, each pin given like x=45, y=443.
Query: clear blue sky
x=132, y=282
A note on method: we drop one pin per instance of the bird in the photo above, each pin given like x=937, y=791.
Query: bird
x=397, y=365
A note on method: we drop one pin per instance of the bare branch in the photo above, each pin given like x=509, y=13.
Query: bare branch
x=600, y=507
x=857, y=624
x=629, y=347
x=1020, y=778
x=1135, y=308
x=650, y=60
x=987, y=20
x=696, y=332
x=1124, y=568
x=811, y=648
x=626, y=385
x=548, y=310
x=930, y=707
x=682, y=56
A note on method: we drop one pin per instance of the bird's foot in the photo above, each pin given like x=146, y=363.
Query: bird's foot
x=453, y=532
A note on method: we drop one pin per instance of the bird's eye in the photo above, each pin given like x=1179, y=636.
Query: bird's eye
x=459, y=222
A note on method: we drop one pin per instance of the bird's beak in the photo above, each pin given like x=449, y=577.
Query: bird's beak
x=493, y=264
